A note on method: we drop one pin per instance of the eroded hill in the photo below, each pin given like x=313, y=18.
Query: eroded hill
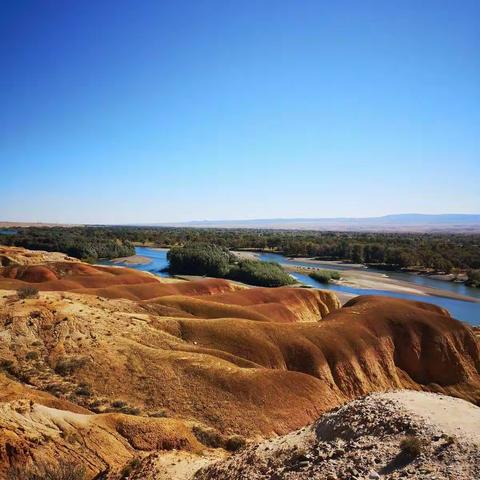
x=108, y=364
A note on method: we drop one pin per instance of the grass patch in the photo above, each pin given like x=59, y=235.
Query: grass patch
x=325, y=276
x=66, y=366
x=27, y=292
x=263, y=274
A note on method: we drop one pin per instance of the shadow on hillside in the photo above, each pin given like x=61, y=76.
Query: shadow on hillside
x=397, y=463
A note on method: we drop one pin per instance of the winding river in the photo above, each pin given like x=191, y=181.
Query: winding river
x=463, y=310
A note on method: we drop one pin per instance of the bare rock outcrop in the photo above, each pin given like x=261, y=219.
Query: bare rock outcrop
x=390, y=436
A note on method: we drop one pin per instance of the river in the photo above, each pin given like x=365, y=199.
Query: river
x=466, y=311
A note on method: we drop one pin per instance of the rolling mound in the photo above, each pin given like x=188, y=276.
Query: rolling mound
x=109, y=350
x=22, y=256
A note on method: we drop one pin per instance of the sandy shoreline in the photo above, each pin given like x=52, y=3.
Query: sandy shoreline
x=358, y=276
x=377, y=281
x=132, y=260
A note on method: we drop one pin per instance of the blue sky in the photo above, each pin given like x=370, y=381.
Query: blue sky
x=127, y=111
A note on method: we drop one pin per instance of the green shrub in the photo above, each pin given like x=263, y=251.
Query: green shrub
x=473, y=278
x=27, y=292
x=325, y=276
x=214, y=261
x=200, y=259
x=412, y=446
x=84, y=390
x=6, y=365
x=234, y=443
x=208, y=436
x=66, y=366
x=32, y=355
x=264, y=274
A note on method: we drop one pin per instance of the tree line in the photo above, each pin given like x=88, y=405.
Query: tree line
x=438, y=252
x=197, y=258
x=88, y=244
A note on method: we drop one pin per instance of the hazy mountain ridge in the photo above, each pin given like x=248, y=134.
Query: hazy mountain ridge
x=398, y=222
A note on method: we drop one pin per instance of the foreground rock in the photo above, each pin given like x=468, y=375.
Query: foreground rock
x=396, y=435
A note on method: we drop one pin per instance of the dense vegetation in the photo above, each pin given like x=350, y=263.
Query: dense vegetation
x=473, y=278
x=200, y=259
x=325, y=276
x=214, y=261
x=89, y=244
x=266, y=274
x=439, y=252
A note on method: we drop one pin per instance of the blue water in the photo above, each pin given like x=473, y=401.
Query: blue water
x=459, y=288
x=466, y=311
x=158, y=261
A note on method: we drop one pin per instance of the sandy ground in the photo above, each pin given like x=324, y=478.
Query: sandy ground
x=358, y=276
x=179, y=465
x=133, y=260
x=246, y=255
x=452, y=415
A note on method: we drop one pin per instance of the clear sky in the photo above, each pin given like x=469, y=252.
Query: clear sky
x=165, y=110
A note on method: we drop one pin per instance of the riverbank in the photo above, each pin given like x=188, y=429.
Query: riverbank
x=342, y=265
x=356, y=281
x=377, y=281
x=353, y=275
x=132, y=260
x=359, y=276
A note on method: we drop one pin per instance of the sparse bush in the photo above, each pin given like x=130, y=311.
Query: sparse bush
x=325, y=276
x=159, y=414
x=32, y=355
x=130, y=410
x=129, y=468
x=208, y=436
x=84, y=390
x=27, y=292
x=412, y=446
x=119, y=404
x=66, y=366
x=60, y=471
x=234, y=443
x=56, y=389
x=450, y=439
x=6, y=365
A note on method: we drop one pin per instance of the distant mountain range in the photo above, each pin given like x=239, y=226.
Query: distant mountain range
x=407, y=222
